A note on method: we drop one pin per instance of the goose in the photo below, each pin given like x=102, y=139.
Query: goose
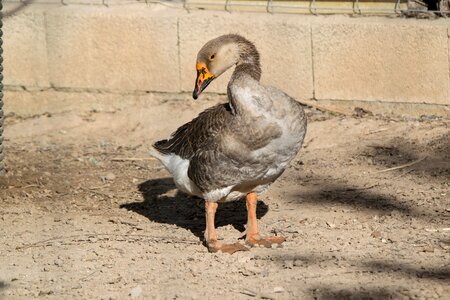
x=234, y=150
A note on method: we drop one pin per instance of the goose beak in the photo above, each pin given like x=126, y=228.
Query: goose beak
x=204, y=77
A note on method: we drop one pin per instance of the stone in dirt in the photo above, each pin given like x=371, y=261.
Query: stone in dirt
x=136, y=292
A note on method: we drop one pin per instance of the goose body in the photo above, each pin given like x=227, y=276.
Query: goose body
x=238, y=148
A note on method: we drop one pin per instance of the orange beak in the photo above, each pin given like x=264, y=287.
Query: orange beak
x=204, y=77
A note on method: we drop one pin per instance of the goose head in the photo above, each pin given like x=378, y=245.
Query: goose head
x=220, y=54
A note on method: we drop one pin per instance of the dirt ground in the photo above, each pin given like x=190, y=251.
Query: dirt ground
x=85, y=214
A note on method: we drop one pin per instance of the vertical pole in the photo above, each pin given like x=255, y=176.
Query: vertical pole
x=2, y=153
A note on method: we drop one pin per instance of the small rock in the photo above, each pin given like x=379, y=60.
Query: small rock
x=376, y=234
x=428, y=248
x=384, y=241
x=136, y=292
x=331, y=225
x=253, y=270
x=44, y=293
x=93, y=160
x=115, y=280
x=58, y=262
x=278, y=289
x=303, y=221
x=110, y=176
x=242, y=258
x=288, y=264
x=298, y=263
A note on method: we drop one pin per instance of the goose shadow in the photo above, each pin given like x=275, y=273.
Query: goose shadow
x=163, y=203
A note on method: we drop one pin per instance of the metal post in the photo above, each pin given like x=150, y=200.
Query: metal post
x=2, y=153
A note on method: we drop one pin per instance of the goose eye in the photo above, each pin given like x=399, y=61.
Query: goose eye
x=212, y=56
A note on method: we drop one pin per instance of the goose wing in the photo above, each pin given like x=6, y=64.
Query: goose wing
x=200, y=133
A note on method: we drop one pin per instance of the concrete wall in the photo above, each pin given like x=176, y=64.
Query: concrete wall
x=333, y=61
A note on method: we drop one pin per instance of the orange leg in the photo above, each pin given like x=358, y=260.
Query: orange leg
x=253, y=238
x=211, y=235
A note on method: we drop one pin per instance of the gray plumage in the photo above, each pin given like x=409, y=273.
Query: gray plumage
x=232, y=149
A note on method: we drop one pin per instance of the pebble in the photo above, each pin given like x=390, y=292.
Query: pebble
x=278, y=289
x=428, y=248
x=242, y=257
x=331, y=225
x=110, y=176
x=252, y=270
x=288, y=264
x=376, y=234
x=58, y=262
x=298, y=263
x=136, y=292
x=45, y=293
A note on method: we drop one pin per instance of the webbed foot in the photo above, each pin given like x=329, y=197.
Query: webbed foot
x=216, y=246
x=267, y=242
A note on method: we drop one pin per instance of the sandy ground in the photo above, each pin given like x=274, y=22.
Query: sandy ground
x=85, y=214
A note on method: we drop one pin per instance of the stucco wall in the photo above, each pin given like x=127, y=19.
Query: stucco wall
x=333, y=61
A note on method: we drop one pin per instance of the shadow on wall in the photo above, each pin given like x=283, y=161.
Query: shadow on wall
x=164, y=205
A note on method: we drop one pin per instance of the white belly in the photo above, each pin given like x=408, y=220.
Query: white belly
x=178, y=168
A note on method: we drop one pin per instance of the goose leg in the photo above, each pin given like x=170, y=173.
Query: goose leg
x=253, y=238
x=211, y=235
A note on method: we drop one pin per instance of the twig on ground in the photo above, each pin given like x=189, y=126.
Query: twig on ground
x=306, y=144
x=363, y=188
x=403, y=174
x=248, y=292
x=89, y=275
x=98, y=192
x=401, y=167
x=30, y=185
x=98, y=187
x=340, y=273
x=376, y=131
x=105, y=236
